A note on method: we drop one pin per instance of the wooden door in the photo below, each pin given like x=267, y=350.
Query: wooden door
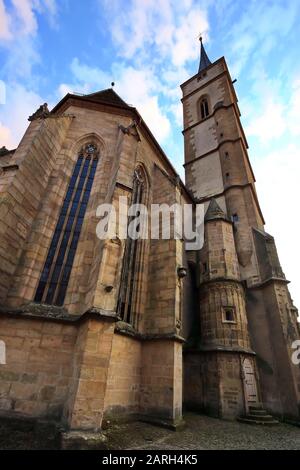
x=249, y=382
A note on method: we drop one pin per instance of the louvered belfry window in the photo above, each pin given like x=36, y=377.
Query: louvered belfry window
x=204, y=108
x=132, y=258
x=56, y=273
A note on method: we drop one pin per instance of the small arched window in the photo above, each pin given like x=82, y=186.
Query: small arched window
x=204, y=108
x=56, y=273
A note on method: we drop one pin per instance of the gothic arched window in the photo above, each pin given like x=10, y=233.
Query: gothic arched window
x=132, y=256
x=56, y=273
x=204, y=108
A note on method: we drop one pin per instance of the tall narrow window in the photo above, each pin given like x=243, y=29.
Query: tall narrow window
x=56, y=273
x=131, y=262
x=204, y=109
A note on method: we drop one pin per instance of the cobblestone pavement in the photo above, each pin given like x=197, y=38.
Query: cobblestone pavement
x=201, y=432
x=204, y=433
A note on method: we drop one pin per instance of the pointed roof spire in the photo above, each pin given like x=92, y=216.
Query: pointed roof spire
x=204, y=60
x=214, y=211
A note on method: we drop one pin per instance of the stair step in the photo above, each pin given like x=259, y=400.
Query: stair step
x=260, y=422
x=264, y=417
x=258, y=412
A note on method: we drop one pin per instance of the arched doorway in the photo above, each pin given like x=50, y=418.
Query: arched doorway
x=250, y=385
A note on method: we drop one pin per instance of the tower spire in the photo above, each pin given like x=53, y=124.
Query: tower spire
x=204, y=60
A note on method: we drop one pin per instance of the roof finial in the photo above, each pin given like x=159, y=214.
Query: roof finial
x=204, y=60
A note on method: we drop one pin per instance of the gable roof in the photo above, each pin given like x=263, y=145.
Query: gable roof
x=110, y=98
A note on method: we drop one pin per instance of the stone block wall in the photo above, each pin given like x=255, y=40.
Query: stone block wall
x=232, y=402
x=193, y=394
x=22, y=187
x=273, y=328
x=213, y=384
x=124, y=377
x=214, y=330
x=161, y=389
x=160, y=314
x=85, y=405
x=39, y=361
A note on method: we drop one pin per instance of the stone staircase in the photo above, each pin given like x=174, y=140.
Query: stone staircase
x=258, y=415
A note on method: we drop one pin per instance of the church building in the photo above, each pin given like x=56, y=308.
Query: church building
x=99, y=330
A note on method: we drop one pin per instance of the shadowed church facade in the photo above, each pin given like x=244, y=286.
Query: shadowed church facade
x=97, y=330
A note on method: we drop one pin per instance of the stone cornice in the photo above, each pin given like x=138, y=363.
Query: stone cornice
x=218, y=147
x=242, y=138
x=225, y=71
x=233, y=186
x=268, y=281
x=56, y=314
x=51, y=313
x=219, y=348
x=223, y=280
x=126, y=329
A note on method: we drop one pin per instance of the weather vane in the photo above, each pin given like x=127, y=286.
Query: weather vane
x=200, y=36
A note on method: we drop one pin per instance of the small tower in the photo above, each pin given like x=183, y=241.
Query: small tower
x=243, y=293
x=224, y=346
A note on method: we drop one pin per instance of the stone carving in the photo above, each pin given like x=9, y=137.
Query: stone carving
x=3, y=151
x=132, y=129
x=41, y=113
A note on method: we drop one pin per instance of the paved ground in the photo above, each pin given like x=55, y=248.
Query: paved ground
x=201, y=432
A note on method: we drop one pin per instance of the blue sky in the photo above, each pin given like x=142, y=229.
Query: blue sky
x=149, y=47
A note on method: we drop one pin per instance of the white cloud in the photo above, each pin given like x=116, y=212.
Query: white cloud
x=24, y=13
x=21, y=20
x=20, y=104
x=270, y=124
x=293, y=109
x=176, y=109
x=190, y=25
x=272, y=112
x=171, y=27
x=278, y=188
x=18, y=36
x=137, y=87
x=259, y=29
x=160, y=39
x=5, y=33
x=23, y=56
x=6, y=138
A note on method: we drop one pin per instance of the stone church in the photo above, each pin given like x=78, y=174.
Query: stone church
x=97, y=330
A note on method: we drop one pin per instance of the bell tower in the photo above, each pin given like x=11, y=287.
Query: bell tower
x=238, y=256
x=216, y=159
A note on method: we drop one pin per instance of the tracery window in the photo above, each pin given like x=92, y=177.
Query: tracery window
x=56, y=273
x=204, y=108
x=132, y=256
